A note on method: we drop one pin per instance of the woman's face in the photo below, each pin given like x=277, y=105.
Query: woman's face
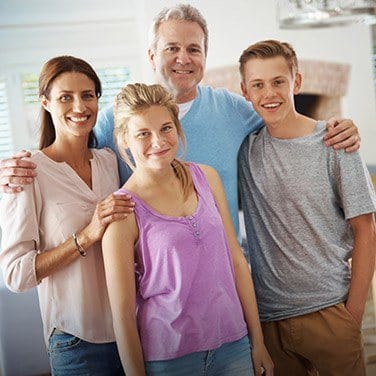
x=73, y=105
x=152, y=138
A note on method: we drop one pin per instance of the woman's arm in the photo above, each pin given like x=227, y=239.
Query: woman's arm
x=118, y=255
x=112, y=208
x=243, y=280
x=22, y=263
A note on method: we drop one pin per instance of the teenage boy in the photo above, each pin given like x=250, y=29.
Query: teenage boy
x=308, y=209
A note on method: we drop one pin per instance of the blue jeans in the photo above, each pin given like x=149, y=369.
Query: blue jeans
x=231, y=359
x=70, y=355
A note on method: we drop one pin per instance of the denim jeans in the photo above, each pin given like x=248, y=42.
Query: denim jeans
x=231, y=359
x=70, y=355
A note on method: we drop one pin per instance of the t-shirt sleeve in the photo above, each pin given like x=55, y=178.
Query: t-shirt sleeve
x=104, y=131
x=20, y=237
x=354, y=184
x=248, y=117
x=104, y=128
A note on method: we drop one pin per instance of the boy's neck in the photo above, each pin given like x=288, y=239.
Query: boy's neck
x=295, y=126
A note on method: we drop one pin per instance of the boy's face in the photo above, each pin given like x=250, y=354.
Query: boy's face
x=270, y=86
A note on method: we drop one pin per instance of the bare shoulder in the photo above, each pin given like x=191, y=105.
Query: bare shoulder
x=123, y=227
x=209, y=171
x=211, y=174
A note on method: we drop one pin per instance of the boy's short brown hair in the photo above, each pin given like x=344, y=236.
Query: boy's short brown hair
x=267, y=49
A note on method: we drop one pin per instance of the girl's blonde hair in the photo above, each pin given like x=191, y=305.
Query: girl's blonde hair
x=132, y=100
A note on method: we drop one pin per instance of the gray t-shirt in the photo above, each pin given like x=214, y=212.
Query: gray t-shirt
x=297, y=197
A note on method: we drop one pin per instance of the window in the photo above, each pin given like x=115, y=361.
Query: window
x=29, y=84
x=113, y=79
x=6, y=144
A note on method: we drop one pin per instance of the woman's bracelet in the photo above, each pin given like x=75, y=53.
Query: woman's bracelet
x=79, y=247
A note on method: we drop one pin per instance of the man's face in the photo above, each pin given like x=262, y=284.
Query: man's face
x=270, y=86
x=179, y=58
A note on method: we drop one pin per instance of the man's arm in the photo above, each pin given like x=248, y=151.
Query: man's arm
x=16, y=171
x=363, y=263
x=342, y=134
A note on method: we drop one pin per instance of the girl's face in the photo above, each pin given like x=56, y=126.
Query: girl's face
x=73, y=105
x=152, y=138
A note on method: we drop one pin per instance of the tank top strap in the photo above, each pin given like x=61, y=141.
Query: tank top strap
x=134, y=197
x=201, y=183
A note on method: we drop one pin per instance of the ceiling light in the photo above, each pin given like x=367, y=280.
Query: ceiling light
x=295, y=14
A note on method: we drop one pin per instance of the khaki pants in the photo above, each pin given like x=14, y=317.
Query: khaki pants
x=326, y=343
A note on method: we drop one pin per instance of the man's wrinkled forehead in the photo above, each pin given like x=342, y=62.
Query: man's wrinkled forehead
x=180, y=32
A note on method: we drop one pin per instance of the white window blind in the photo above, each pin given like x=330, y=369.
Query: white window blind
x=6, y=143
x=112, y=79
x=32, y=106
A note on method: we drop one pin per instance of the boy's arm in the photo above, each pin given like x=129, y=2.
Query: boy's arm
x=118, y=255
x=363, y=263
x=243, y=280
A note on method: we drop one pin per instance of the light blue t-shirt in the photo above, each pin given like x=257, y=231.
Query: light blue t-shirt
x=215, y=127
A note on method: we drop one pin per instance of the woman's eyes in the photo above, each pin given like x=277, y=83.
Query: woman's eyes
x=86, y=97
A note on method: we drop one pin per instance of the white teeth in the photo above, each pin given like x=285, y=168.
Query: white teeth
x=182, y=71
x=78, y=119
x=271, y=105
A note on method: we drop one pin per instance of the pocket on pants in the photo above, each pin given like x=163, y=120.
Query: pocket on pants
x=349, y=316
x=61, y=341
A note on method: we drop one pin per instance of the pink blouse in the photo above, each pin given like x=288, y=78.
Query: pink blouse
x=73, y=299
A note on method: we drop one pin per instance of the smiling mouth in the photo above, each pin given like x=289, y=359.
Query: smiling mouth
x=271, y=106
x=182, y=71
x=159, y=153
x=78, y=119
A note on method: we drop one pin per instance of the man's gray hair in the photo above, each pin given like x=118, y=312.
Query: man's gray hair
x=180, y=12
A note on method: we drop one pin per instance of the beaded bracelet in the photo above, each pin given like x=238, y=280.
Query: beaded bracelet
x=79, y=247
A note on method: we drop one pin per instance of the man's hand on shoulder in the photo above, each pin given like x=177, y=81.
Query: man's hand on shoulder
x=16, y=172
x=342, y=134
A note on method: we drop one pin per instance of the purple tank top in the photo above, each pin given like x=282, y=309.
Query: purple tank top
x=187, y=299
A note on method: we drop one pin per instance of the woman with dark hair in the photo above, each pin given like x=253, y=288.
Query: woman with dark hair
x=51, y=230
